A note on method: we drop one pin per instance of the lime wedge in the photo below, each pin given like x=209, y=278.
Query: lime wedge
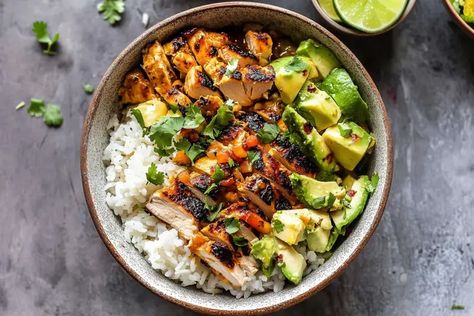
x=328, y=7
x=370, y=16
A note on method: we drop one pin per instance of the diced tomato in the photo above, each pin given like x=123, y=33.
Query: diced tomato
x=257, y=222
x=227, y=182
x=222, y=157
x=239, y=151
x=252, y=141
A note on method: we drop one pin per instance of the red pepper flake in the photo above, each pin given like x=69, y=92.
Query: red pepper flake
x=311, y=88
x=355, y=138
x=279, y=258
x=308, y=128
x=351, y=193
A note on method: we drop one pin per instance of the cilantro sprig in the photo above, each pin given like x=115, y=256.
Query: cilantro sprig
x=223, y=117
x=268, y=133
x=154, y=176
x=111, y=10
x=50, y=113
x=40, y=28
x=232, y=225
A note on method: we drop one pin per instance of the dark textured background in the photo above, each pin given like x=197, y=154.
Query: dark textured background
x=419, y=262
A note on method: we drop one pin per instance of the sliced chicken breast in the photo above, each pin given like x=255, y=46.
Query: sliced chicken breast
x=180, y=54
x=260, y=44
x=209, y=105
x=257, y=80
x=198, y=84
x=136, y=88
x=232, y=52
x=205, y=45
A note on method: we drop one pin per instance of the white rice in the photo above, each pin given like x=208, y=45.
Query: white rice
x=127, y=158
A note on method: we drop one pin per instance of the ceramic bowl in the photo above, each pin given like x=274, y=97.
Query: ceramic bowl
x=95, y=139
x=468, y=29
x=351, y=31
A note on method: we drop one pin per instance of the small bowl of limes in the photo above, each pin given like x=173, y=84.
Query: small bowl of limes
x=364, y=18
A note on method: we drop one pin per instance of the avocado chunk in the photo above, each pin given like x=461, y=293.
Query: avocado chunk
x=292, y=264
x=317, y=194
x=288, y=226
x=318, y=239
x=152, y=111
x=308, y=139
x=338, y=84
x=291, y=73
x=468, y=11
x=358, y=195
x=348, y=142
x=333, y=238
x=321, y=56
x=264, y=250
x=317, y=107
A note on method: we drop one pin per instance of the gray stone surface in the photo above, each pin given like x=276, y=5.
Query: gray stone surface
x=419, y=262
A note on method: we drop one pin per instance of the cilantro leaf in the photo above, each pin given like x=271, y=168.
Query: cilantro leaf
x=218, y=174
x=40, y=28
x=163, y=132
x=111, y=10
x=193, y=117
x=239, y=241
x=323, y=201
x=231, y=66
x=231, y=163
x=253, y=156
x=223, y=117
x=52, y=115
x=88, y=88
x=215, y=211
x=268, y=133
x=138, y=115
x=232, y=225
x=210, y=188
x=344, y=129
x=372, y=185
x=36, y=108
x=457, y=307
x=296, y=65
x=191, y=150
x=154, y=176
x=278, y=225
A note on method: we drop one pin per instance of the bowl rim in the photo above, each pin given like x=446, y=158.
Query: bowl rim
x=469, y=30
x=100, y=226
x=351, y=31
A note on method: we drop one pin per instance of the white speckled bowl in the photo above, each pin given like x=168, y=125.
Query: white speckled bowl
x=95, y=138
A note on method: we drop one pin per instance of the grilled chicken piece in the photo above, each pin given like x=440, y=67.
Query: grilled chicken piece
x=291, y=156
x=162, y=77
x=257, y=80
x=260, y=44
x=264, y=194
x=198, y=84
x=209, y=105
x=231, y=52
x=216, y=231
x=232, y=135
x=173, y=214
x=136, y=88
x=219, y=258
x=181, y=55
x=204, y=44
x=242, y=211
x=205, y=165
x=270, y=110
x=198, y=184
x=252, y=120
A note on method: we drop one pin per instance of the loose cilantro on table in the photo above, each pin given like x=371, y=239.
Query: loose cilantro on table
x=111, y=10
x=154, y=176
x=268, y=133
x=50, y=113
x=40, y=28
x=223, y=117
x=36, y=108
x=457, y=307
x=232, y=225
x=88, y=88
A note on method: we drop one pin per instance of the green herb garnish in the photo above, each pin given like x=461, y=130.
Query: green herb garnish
x=344, y=129
x=231, y=66
x=210, y=188
x=88, y=88
x=193, y=117
x=218, y=122
x=374, y=181
x=231, y=163
x=163, y=132
x=138, y=115
x=40, y=28
x=36, y=108
x=239, y=241
x=154, y=176
x=268, y=133
x=296, y=65
x=457, y=307
x=111, y=10
x=218, y=175
x=232, y=225
x=215, y=211
x=53, y=116
x=253, y=156
x=278, y=225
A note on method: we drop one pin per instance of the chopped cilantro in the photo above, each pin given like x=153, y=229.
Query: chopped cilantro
x=268, y=133
x=53, y=116
x=323, y=201
x=40, y=28
x=374, y=181
x=36, y=108
x=239, y=241
x=232, y=225
x=138, y=115
x=231, y=163
x=163, y=132
x=88, y=88
x=210, y=188
x=154, y=176
x=223, y=117
x=111, y=10
x=218, y=174
x=20, y=105
x=173, y=107
x=195, y=151
x=278, y=225
x=231, y=66
x=214, y=212
x=253, y=156
x=296, y=65
x=344, y=129
x=457, y=307
x=193, y=117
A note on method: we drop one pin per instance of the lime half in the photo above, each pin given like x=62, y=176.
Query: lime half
x=328, y=7
x=370, y=16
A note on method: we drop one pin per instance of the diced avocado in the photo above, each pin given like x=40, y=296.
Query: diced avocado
x=358, y=195
x=291, y=73
x=322, y=57
x=317, y=107
x=288, y=226
x=468, y=11
x=264, y=250
x=317, y=194
x=333, y=238
x=291, y=262
x=348, y=142
x=313, y=218
x=348, y=182
x=318, y=239
x=338, y=84
x=311, y=142
x=152, y=111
